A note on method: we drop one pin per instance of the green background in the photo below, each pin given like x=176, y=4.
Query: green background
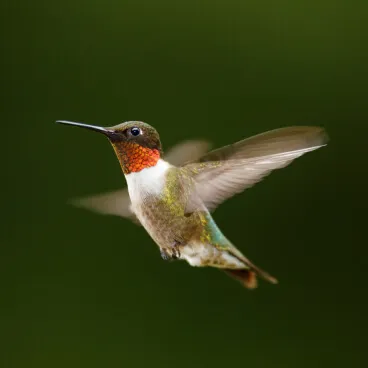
x=82, y=290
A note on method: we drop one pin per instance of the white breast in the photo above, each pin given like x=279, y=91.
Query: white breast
x=147, y=182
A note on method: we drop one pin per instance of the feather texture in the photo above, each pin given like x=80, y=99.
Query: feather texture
x=227, y=171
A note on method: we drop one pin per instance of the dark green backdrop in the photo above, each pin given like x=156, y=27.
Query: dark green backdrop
x=82, y=290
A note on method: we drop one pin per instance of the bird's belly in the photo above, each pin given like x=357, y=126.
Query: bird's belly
x=156, y=222
x=200, y=255
x=163, y=228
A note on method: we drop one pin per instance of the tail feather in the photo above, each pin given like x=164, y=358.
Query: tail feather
x=248, y=276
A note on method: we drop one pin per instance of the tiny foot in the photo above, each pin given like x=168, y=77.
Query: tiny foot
x=175, y=250
x=164, y=255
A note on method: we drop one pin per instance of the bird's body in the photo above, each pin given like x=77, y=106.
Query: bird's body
x=158, y=200
x=172, y=199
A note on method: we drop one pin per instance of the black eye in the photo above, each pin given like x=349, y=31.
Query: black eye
x=135, y=131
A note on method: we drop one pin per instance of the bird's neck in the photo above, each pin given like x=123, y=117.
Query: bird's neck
x=148, y=183
x=134, y=157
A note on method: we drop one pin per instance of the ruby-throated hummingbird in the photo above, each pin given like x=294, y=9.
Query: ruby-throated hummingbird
x=172, y=196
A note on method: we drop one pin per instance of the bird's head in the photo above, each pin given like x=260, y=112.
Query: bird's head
x=136, y=144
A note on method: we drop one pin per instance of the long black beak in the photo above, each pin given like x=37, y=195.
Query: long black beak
x=108, y=132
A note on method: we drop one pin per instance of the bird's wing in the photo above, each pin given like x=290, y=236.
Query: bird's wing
x=224, y=172
x=118, y=203
x=187, y=151
x=115, y=203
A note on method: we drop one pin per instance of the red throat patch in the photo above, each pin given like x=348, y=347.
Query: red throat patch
x=134, y=157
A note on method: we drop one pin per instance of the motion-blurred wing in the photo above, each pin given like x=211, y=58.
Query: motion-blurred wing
x=115, y=203
x=222, y=173
x=186, y=151
x=118, y=203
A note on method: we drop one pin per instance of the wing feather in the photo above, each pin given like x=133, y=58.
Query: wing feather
x=227, y=171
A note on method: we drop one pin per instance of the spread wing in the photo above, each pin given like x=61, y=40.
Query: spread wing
x=118, y=203
x=224, y=172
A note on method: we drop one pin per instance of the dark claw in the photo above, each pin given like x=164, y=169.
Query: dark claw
x=173, y=253
x=175, y=249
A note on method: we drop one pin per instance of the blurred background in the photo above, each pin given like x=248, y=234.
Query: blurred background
x=83, y=290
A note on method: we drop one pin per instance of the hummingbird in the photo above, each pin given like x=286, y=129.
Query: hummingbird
x=173, y=196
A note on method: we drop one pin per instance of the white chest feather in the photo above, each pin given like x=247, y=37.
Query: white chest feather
x=147, y=182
